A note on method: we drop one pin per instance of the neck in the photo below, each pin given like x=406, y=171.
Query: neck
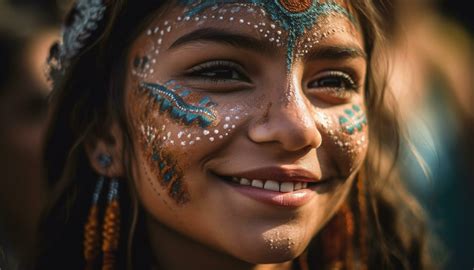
x=173, y=251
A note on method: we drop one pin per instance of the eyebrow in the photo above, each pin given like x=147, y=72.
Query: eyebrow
x=233, y=39
x=336, y=52
x=244, y=41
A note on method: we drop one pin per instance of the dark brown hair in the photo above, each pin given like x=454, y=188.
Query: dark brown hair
x=380, y=227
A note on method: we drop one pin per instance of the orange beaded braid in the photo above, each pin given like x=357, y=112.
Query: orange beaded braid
x=91, y=229
x=111, y=228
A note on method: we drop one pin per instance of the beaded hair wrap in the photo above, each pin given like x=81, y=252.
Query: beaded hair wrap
x=91, y=229
x=111, y=227
x=110, y=234
x=82, y=22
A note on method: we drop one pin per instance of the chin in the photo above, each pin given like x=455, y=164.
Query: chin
x=269, y=250
x=271, y=256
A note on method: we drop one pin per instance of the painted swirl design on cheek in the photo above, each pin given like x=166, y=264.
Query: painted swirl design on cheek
x=175, y=105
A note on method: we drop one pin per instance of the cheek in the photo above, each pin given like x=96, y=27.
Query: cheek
x=345, y=136
x=176, y=130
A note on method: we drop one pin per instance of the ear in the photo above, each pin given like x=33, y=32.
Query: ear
x=110, y=146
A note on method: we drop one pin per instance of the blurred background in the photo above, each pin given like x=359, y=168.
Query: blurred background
x=431, y=49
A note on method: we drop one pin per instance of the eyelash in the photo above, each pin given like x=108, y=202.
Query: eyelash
x=209, y=71
x=346, y=81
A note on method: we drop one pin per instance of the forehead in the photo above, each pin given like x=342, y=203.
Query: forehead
x=295, y=17
x=292, y=15
x=294, y=26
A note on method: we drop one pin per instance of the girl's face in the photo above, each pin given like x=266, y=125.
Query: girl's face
x=248, y=121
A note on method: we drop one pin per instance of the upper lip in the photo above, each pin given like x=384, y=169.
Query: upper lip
x=280, y=174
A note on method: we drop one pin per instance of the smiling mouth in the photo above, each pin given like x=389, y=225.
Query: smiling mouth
x=271, y=185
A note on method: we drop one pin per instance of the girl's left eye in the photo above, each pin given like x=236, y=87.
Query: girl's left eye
x=335, y=80
x=218, y=71
x=332, y=84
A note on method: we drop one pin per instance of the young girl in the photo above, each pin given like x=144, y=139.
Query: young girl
x=225, y=134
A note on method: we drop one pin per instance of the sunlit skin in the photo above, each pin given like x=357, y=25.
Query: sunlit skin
x=266, y=116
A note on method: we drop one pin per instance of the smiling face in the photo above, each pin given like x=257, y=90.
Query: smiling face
x=248, y=121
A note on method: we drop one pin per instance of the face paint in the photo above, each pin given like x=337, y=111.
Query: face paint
x=141, y=63
x=187, y=107
x=346, y=134
x=285, y=20
x=353, y=120
x=190, y=160
x=171, y=175
x=164, y=165
x=169, y=104
x=295, y=17
x=174, y=103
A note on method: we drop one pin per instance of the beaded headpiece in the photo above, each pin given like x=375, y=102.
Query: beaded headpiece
x=83, y=20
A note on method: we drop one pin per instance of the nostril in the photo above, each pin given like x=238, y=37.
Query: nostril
x=290, y=125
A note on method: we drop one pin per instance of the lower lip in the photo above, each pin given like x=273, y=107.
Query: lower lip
x=291, y=199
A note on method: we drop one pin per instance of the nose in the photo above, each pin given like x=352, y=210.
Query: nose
x=288, y=120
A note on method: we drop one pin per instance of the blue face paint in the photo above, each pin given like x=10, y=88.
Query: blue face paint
x=294, y=16
x=353, y=120
x=177, y=107
x=170, y=177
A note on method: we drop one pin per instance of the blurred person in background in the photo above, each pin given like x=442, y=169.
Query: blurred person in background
x=432, y=80
x=27, y=31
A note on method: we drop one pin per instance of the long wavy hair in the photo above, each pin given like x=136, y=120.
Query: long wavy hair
x=381, y=226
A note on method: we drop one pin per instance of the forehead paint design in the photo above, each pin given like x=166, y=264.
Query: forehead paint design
x=174, y=103
x=293, y=16
x=353, y=120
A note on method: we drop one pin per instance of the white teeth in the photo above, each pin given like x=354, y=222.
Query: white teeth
x=298, y=185
x=245, y=182
x=272, y=185
x=287, y=187
x=257, y=183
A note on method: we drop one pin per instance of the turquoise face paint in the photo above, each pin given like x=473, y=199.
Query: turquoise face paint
x=171, y=178
x=178, y=108
x=295, y=17
x=353, y=120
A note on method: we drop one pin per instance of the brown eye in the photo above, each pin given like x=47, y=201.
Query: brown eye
x=218, y=71
x=332, y=86
x=333, y=80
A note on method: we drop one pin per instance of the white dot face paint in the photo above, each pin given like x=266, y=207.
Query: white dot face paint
x=207, y=108
x=272, y=33
x=346, y=135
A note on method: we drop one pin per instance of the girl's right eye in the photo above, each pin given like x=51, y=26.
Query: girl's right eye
x=220, y=71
